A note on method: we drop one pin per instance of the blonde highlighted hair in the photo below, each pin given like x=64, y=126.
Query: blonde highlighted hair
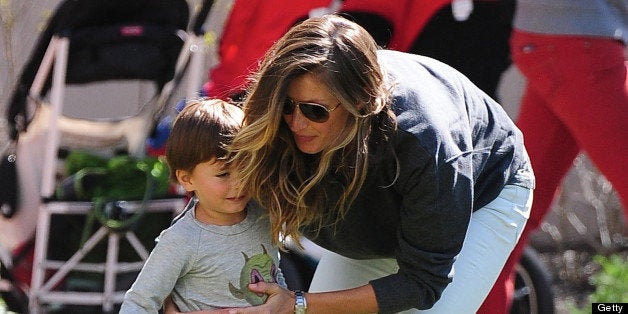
x=292, y=185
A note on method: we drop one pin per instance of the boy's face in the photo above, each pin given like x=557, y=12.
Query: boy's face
x=217, y=191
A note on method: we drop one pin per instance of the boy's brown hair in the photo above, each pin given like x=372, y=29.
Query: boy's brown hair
x=200, y=133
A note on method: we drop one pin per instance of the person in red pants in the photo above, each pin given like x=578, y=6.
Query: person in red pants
x=572, y=54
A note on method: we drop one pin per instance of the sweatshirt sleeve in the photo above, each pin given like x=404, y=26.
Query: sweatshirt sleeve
x=434, y=216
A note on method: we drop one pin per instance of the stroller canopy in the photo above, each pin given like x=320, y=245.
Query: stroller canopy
x=109, y=39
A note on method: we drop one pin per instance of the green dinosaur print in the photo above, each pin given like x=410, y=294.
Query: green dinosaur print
x=257, y=268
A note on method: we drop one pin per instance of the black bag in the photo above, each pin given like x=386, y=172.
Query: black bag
x=8, y=182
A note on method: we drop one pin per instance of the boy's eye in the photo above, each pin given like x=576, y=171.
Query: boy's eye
x=223, y=174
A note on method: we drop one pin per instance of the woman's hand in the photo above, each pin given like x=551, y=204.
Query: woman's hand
x=356, y=300
x=279, y=300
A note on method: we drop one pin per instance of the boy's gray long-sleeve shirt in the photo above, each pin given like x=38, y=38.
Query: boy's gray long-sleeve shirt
x=197, y=263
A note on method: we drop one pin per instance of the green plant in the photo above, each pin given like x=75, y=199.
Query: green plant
x=611, y=282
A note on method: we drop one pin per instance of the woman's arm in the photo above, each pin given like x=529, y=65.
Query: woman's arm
x=280, y=300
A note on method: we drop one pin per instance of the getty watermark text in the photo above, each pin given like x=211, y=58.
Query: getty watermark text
x=609, y=308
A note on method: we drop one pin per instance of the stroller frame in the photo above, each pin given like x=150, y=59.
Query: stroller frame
x=53, y=74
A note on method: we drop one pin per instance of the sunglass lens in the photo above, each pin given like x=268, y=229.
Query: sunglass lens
x=288, y=107
x=314, y=112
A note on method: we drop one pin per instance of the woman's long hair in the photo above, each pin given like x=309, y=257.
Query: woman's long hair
x=291, y=185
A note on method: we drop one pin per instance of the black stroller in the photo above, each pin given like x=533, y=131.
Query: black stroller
x=143, y=47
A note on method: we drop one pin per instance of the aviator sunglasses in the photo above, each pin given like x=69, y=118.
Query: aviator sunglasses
x=312, y=111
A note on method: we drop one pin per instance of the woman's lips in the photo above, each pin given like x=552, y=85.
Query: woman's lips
x=303, y=139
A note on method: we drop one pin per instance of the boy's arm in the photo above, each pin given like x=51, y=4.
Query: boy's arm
x=157, y=278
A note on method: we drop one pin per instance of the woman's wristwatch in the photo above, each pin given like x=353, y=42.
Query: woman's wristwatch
x=300, y=305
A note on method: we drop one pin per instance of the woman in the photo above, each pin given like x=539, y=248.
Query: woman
x=388, y=160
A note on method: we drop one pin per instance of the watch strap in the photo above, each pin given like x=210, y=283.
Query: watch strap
x=300, y=304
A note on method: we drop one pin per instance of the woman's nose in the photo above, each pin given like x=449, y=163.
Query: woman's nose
x=297, y=120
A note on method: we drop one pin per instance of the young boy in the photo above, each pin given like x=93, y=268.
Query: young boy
x=221, y=242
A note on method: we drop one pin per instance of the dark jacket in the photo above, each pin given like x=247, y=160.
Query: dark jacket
x=457, y=148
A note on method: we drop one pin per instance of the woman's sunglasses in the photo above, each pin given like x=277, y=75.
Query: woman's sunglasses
x=312, y=111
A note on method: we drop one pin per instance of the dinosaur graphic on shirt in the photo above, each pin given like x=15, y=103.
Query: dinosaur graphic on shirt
x=257, y=268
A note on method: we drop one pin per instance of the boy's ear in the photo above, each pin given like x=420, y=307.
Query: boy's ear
x=184, y=178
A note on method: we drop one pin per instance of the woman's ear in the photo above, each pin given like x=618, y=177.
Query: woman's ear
x=185, y=179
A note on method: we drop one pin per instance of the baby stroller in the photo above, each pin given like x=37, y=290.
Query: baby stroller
x=105, y=49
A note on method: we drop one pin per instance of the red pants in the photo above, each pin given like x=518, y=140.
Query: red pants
x=576, y=99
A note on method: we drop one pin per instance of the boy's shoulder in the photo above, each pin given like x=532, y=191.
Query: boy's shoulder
x=180, y=229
